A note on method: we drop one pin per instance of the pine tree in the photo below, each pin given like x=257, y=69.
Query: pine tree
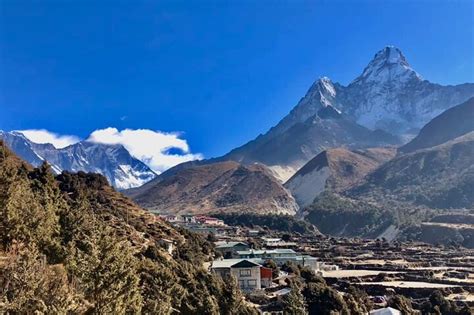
x=159, y=287
x=24, y=213
x=23, y=217
x=231, y=301
x=49, y=196
x=294, y=303
x=107, y=272
x=29, y=286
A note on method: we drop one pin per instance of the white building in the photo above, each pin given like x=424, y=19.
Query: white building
x=281, y=256
x=249, y=274
x=168, y=244
x=277, y=242
x=385, y=311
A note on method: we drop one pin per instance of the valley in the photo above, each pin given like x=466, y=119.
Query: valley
x=361, y=198
x=385, y=271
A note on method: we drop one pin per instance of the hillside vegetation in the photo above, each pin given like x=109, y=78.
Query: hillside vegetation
x=437, y=177
x=281, y=223
x=72, y=245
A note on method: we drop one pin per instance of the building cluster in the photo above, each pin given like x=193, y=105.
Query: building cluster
x=198, y=223
x=247, y=264
x=258, y=258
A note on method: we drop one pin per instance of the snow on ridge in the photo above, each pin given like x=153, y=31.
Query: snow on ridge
x=127, y=177
x=389, y=64
x=327, y=86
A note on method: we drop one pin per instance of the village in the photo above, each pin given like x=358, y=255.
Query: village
x=261, y=261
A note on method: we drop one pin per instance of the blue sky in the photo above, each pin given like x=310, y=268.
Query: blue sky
x=220, y=72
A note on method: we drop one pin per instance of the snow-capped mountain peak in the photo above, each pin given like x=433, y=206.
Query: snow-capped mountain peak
x=388, y=98
x=121, y=169
x=322, y=94
x=326, y=91
x=325, y=85
x=388, y=65
x=390, y=95
x=391, y=54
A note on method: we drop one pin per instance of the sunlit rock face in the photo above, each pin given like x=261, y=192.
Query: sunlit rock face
x=389, y=98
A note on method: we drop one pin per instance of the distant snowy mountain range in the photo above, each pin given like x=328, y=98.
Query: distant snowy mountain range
x=387, y=103
x=121, y=169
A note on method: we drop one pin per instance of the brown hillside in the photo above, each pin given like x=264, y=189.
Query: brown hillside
x=223, y=186
x=335, y=170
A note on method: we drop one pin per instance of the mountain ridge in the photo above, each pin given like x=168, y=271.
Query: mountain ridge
x=221, y=186
x=388, y=98
x=335, y=170
x=120, y=168
x=452, y=123
x=441, y=176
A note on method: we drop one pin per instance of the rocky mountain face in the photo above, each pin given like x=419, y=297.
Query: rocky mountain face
x=389, y=97
x=285, y=153
x=215, y=187
x=435, y=169
x=431, y=175
x=449, y=125
x=335, y=170
x=438, y=177
x=400, y=198
x=113, y=161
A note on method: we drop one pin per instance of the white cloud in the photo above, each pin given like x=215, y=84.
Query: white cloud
x=45, y=136
x=149, y=146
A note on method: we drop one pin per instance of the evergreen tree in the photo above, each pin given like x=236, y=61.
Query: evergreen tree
x=23, y=217
x=50, y=198
x=322, y=299
x=107, y=272
x=294, y=303
x=231, y=301
x=159, y=287
x=402, y=304
x=29, y=286
x=231, y=298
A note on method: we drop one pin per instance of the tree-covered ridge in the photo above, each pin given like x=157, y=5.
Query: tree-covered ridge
x=72, y=245
x=361, y=217
x=281, y=223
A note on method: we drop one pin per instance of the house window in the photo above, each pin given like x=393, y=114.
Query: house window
x=245, y=272
x=252, y=283
x=242, y=283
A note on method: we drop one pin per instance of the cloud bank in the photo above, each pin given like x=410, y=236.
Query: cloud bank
x=45, y=136
x=159, y=150
x=151, y=147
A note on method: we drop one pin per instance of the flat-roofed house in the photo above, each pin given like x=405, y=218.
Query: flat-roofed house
x=170, y=217
x=188, y=218
x=277, y=242
x=230, y=249
x=167, y=244
x=385, y=311
x=209, y=221
x=281, y=256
